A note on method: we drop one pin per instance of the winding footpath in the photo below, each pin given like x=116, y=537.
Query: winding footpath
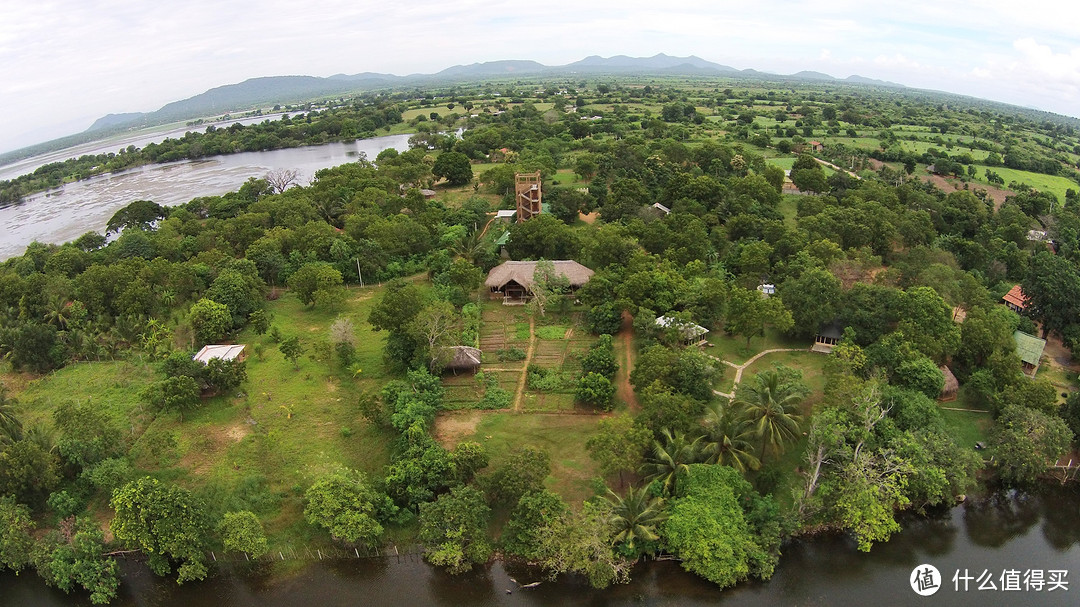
x=740, y=368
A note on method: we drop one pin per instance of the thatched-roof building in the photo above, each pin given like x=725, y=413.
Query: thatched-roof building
x=951, y=387
x=464, y=358
x=513, y=280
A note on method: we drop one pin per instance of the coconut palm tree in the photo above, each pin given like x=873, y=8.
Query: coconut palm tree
x=635, y=517
x=10, y=426
x=770, y=408
x=727, y=439
x=671, y=458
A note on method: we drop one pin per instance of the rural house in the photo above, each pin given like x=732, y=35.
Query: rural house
x=828, y=336
x=513, y=280
x=463, y=358
x=691, y=334
x=1015, y=299
x=224, y=352
x=1030, y=349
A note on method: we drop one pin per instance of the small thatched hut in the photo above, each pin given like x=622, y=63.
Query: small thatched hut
x=464, y=358
x=949, y=390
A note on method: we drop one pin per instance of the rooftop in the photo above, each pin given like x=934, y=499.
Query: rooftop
x=521, y=272
x=223, y=351
x=1016, y=297
x=688, y=329
x=1029, y=347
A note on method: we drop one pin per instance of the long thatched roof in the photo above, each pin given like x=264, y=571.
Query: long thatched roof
x=521, y=272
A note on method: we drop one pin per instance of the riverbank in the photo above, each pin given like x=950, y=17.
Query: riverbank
x=997, y=531
x=61, y=215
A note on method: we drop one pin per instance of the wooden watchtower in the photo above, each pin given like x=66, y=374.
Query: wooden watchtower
x=527, y=194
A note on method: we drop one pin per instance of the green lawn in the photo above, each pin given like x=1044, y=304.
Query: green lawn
x=1044, y=183
x=562, y=436
x=733, y=348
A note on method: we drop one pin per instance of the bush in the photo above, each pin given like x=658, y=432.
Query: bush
x=510, y=354
x=597, y=391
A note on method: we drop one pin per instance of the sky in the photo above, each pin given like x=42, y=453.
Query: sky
x=63, y=64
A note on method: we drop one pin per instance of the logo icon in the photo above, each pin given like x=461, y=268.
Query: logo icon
x=925, y=580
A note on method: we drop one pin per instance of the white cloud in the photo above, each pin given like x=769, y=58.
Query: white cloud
x=66, y=59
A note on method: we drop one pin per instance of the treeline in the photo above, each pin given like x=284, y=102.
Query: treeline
x=337, y=124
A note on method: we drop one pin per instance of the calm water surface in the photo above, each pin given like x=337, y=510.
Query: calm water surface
x=64, y=214
x=1002, y=531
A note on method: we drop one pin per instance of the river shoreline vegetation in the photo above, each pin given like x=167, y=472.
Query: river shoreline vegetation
x=591, y=438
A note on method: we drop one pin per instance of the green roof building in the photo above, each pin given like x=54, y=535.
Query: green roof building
x=1030, y=350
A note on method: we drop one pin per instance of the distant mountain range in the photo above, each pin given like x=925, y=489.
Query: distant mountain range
x=257, y=92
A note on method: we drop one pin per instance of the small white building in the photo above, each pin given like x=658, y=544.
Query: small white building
x=224, y=352
x=767, y=289
x=661, y=208
x=692, y=334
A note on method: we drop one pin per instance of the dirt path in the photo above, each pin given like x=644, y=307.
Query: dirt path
x=740, y=368
x=624, y=340
x=520, y=394
x=836, y=168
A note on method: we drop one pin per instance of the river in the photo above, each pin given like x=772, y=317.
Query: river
x=1002, y=531
x=140, y=139
x=66, y=213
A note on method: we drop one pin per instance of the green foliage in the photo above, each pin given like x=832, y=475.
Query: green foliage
x=597, y=391
x=291, y=349
x=708, y=530
x=523, y=471
x=315, y=279
x=165, y=522
x=468, y=459
x=636, y=517
x=16, y=529
x=413, y=401
x=1026, y=441
x=748, y=313
x=454, y=166
x=619, y=445
x=77, y=560
x=534, y=513
x=601, y=358
x=210, y=321
x=242, y=532
x=684, y=371
x=259, y=321
x=419, y=471
x=347, y=506
x=87, y=433
x=813, y=299
x=28, y=471
x=454, y=527
x=173, y=395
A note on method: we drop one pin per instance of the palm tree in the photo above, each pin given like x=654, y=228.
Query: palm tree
x=10, y=426
x=726, y=439
x=635, y=517
x=771, y=410
x=671, y=459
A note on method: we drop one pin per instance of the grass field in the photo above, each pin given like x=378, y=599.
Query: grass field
x=1045, y=183
x=562, y=436
x=259, y=447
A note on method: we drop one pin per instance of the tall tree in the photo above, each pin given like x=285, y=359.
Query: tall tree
x=771, y=407
x=165, y=522
x=635, y=519
x=748, y=313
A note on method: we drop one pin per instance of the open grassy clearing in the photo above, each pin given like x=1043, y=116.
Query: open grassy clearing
x=261, y=446
x=562, y=436
x=1044, y=183
x=734, y=349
